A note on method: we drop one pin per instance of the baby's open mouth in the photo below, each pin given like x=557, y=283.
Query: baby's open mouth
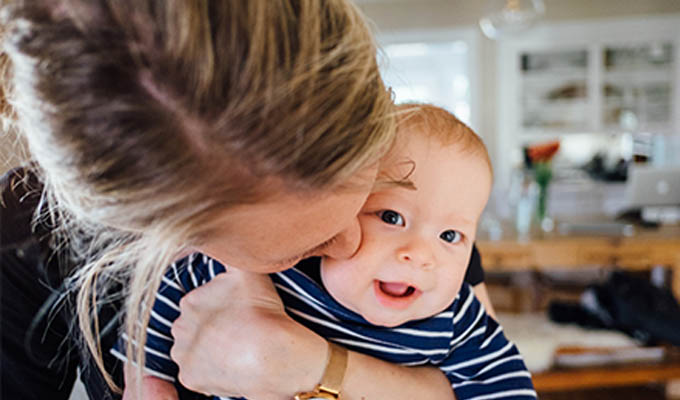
x=396, y=289
x=396, y=295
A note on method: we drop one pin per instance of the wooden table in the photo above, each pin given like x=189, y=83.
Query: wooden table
x=607, y=376
x=645, y=249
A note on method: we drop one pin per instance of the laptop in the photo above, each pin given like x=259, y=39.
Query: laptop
x=653, y=186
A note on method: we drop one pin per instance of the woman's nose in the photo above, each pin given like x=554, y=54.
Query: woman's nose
x=417, y=253
x=346, y=243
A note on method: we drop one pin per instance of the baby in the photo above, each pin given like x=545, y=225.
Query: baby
x=401, y=297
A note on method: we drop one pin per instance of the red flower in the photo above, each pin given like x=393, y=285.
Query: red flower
x=543, y=152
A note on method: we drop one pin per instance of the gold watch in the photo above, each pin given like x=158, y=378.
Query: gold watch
x=329, y=388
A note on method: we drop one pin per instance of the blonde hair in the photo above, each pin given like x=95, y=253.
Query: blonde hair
x=146, y=117
x=441, y=125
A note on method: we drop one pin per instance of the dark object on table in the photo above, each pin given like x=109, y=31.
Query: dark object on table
x=598, y=170
x=634, y=216
x=571, y=312
x=626, y=303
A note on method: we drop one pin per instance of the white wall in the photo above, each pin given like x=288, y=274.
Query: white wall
x=392, y=17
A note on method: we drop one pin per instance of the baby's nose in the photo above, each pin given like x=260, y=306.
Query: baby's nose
x=417, y=253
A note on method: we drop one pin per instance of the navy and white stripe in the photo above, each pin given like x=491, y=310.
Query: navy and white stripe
x=465, y=343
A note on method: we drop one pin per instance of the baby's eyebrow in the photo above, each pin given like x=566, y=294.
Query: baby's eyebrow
x=386, y=177
x=383, y=182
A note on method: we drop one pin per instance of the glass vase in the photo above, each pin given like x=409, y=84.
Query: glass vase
x=543, y=176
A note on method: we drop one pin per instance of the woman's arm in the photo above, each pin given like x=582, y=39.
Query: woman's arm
x=270, y=356
x=370, y=378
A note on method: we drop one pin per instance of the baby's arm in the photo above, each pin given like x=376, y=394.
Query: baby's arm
x=152, y=388
x=482, y=361
x=182, y=277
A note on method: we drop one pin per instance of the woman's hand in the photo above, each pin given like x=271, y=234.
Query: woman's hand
x=233, y=338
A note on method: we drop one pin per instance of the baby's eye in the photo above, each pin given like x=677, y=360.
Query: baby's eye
x=451, y=236
x=391, y=217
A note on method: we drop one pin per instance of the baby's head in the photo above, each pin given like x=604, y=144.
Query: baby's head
x=418, y=236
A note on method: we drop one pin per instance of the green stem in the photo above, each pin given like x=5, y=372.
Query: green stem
x=542, y=202
x=543, y=175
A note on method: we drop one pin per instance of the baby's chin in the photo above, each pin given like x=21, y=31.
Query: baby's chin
x=387, y=322
x=391, y=319
x=378, y=318
x=394, y=319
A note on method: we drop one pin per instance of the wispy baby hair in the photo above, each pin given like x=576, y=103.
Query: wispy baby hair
x=442, y=125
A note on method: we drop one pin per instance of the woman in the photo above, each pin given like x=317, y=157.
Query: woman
x=247, y=130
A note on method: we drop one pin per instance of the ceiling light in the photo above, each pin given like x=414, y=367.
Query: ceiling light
x=510, y=17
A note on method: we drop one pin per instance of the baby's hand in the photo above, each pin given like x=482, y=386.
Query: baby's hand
x=152, y=388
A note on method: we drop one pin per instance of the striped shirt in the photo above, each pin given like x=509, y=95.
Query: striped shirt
x=462, y=340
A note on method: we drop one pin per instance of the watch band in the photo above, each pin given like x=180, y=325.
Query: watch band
x=331, y=382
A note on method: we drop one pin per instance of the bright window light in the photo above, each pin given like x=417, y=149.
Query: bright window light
x=430, y=72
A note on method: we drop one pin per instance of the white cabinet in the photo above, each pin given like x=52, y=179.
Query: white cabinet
x=553, y=90
x=597, y=77
x=637, y=85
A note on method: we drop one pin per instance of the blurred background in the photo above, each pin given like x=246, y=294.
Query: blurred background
x=579, y=105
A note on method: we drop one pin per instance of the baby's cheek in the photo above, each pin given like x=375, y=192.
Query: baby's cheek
x=339, y=280
x=443, y=302
x=335, y=273
x=449, y=290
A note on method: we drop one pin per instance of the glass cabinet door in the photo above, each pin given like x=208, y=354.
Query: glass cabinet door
x=637, y=87
x=554, y=91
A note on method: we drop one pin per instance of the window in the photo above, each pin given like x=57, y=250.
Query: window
x=437, y=72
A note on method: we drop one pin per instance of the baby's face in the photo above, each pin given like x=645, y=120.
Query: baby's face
x=416, y=243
